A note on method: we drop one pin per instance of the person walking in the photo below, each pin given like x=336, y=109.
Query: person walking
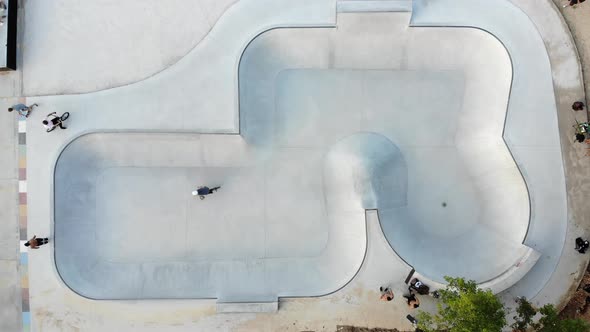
x=204, y=191
x=22, y=109
x=386, y=294
x=35, y=243
x=53, y=120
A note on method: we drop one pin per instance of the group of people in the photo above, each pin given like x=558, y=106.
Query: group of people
x=415, y=287
x=411, y=299
x=52, y=120
x=582, y=128
x=573, y=3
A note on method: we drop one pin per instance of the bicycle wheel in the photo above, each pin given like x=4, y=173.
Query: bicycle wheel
x=64, y=116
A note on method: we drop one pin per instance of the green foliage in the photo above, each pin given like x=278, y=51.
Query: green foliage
x=550, y=322
x=525, y=314
x=464, y=308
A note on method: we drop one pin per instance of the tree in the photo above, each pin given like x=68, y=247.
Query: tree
x=525, y=314
x=464, y=308
x=549, y=321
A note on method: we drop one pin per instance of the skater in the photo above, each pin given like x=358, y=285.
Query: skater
x=413, y=302
x=52, y=121
x=35, y=243
x=573, y=3
x=386, y=294
x=204, y=191
x=578, y=106
x=582, y=245
x=22, y=109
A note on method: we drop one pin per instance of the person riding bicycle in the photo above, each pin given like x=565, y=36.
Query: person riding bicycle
x=53, y=120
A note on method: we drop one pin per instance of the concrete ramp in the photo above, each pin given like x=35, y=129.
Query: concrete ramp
x=368, y=6
x=365, y=171
x=332, y=123
x=245, y=307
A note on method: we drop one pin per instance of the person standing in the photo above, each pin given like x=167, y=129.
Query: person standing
x=386, y=294
x=413, y=302
x=22, y=109
x=578, y=106
x=35, y=242
x=582, y=245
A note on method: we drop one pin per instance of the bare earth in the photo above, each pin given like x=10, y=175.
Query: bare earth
x=579, y=24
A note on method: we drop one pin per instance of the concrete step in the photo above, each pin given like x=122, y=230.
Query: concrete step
x=246, y=307
x=368, y=6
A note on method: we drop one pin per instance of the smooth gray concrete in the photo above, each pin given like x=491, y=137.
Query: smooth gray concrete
x=10, y=299
x=126, y=211
x=208, y=78
x=10, y=285
x=539, y=157
x=304, y=174
x=464, y=190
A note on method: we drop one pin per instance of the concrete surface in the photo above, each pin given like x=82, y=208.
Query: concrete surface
x=112, y=187
x=122, y=41
x=60, y=309
x=10, y=299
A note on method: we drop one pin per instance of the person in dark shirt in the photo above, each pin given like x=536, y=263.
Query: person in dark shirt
x=204, y=191
x=582, y=245
x=413, y=302
x=34, y=243
x=573, y=3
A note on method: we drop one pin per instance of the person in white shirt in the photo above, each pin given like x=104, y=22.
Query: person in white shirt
x=52, y=121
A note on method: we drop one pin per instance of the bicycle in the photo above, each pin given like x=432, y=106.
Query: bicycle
x=62, y=118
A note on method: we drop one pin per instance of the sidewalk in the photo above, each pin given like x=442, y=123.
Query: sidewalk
x=577, y=20
x=10, y=291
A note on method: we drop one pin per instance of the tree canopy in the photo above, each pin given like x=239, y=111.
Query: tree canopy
x=548, y=322
x=463, y=307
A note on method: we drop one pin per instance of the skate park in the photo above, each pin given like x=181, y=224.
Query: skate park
x=306, y=165
x=363, y=119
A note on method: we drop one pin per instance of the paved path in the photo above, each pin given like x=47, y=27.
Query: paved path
x=10, y=289
x=105, y=44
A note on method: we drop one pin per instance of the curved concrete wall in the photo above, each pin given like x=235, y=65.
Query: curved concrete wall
x=365, y=171
x=465, y=157
x=127, y=227
x=446, y=114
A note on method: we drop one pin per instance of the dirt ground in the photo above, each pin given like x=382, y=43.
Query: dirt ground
x=578, y=19
x=579, y=305
x=362, y=329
